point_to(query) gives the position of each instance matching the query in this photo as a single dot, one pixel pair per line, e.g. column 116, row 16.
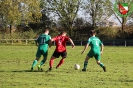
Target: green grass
column 16, row 61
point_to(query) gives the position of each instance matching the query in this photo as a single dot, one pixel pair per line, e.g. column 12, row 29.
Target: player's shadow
column 2, row 71
column 26, row 71
column 21, row 71
column 128, row 81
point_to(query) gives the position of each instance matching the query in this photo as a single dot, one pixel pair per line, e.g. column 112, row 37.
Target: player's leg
column 38, row 54
column 51, row 62
column 34, row 63
column 89, row 55
column 98, row 57
column 45, row 54
column 85, row 63
column 60, row 63
column 101, row 64
column 43, row 61
column 63, row 55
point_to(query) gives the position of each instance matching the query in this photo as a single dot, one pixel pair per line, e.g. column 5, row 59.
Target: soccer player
column 60, row 50
column 95, row 51
column 42, row 42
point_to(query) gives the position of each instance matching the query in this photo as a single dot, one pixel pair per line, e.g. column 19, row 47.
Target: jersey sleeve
column 89, row 40
column 54, row 38
column 66, row 38
column 49, row 37
column 100, row 43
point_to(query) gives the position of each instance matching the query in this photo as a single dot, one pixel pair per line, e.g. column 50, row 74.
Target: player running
column 42, row 42
column 95, row 51
column 60, row 50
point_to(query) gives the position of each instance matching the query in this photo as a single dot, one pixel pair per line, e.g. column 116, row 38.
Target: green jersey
column 95, row 44
column 43, row 41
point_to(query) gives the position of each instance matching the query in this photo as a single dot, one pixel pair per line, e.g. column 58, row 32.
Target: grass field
column 16, row 61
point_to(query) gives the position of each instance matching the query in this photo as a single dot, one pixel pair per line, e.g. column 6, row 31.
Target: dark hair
column 92, row 32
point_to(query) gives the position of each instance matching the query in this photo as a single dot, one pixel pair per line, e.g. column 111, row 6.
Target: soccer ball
column 76, row 66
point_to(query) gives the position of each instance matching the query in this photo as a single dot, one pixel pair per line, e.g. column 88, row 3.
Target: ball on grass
column 76, row 66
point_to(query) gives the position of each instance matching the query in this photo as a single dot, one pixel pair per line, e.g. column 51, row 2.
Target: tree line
column 77, row 17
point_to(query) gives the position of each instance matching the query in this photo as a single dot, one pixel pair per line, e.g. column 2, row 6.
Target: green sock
column 85, row 65
column 34, row 63
column 101, row 64
column 42, row 62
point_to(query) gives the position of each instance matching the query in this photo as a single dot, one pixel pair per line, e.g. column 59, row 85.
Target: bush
column 106, row 32
column 19, row 35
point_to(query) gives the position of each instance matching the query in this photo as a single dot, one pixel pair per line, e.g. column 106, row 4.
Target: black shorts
column 58, row 54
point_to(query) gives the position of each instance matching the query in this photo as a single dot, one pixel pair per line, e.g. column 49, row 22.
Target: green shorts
column 41, row 52
column 92, row 54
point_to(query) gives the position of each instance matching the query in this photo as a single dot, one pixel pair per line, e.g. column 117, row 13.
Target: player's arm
column 51, row 40
column 86, row 46
column 72, row 43
column 50, row 43
column 102, row 47
column 37, row 41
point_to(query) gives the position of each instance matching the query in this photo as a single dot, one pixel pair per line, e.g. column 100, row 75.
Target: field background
column 16, row 61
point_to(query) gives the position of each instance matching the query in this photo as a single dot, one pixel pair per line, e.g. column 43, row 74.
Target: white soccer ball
column 76, row 66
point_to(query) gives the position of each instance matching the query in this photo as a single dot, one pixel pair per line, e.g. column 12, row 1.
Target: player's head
column 63, row 33
column 46, row 31
column 92, row 32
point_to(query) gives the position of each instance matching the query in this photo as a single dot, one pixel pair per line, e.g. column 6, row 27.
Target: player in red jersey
column 60, row 42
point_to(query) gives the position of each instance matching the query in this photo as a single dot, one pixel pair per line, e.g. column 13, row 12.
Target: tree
column 45, row 19
column 14, row 12
column 31, row 11
column 66, row 11
column 98, row 10
column 9, row 12
column 78, row 23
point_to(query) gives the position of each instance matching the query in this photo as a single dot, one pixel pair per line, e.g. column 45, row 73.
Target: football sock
column 101, row 64
column 85, row 65
column 60, row 63
column 34, row 63
column 51, row 63
column 42, row 62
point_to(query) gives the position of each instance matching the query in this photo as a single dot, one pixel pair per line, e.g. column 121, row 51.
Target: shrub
column 106, row 32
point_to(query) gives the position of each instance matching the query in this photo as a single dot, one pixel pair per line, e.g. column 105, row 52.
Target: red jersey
column 60, row 42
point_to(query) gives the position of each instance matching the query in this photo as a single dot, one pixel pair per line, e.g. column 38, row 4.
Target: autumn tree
column 9, row 12
column 31, row 11
column 14, row 12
